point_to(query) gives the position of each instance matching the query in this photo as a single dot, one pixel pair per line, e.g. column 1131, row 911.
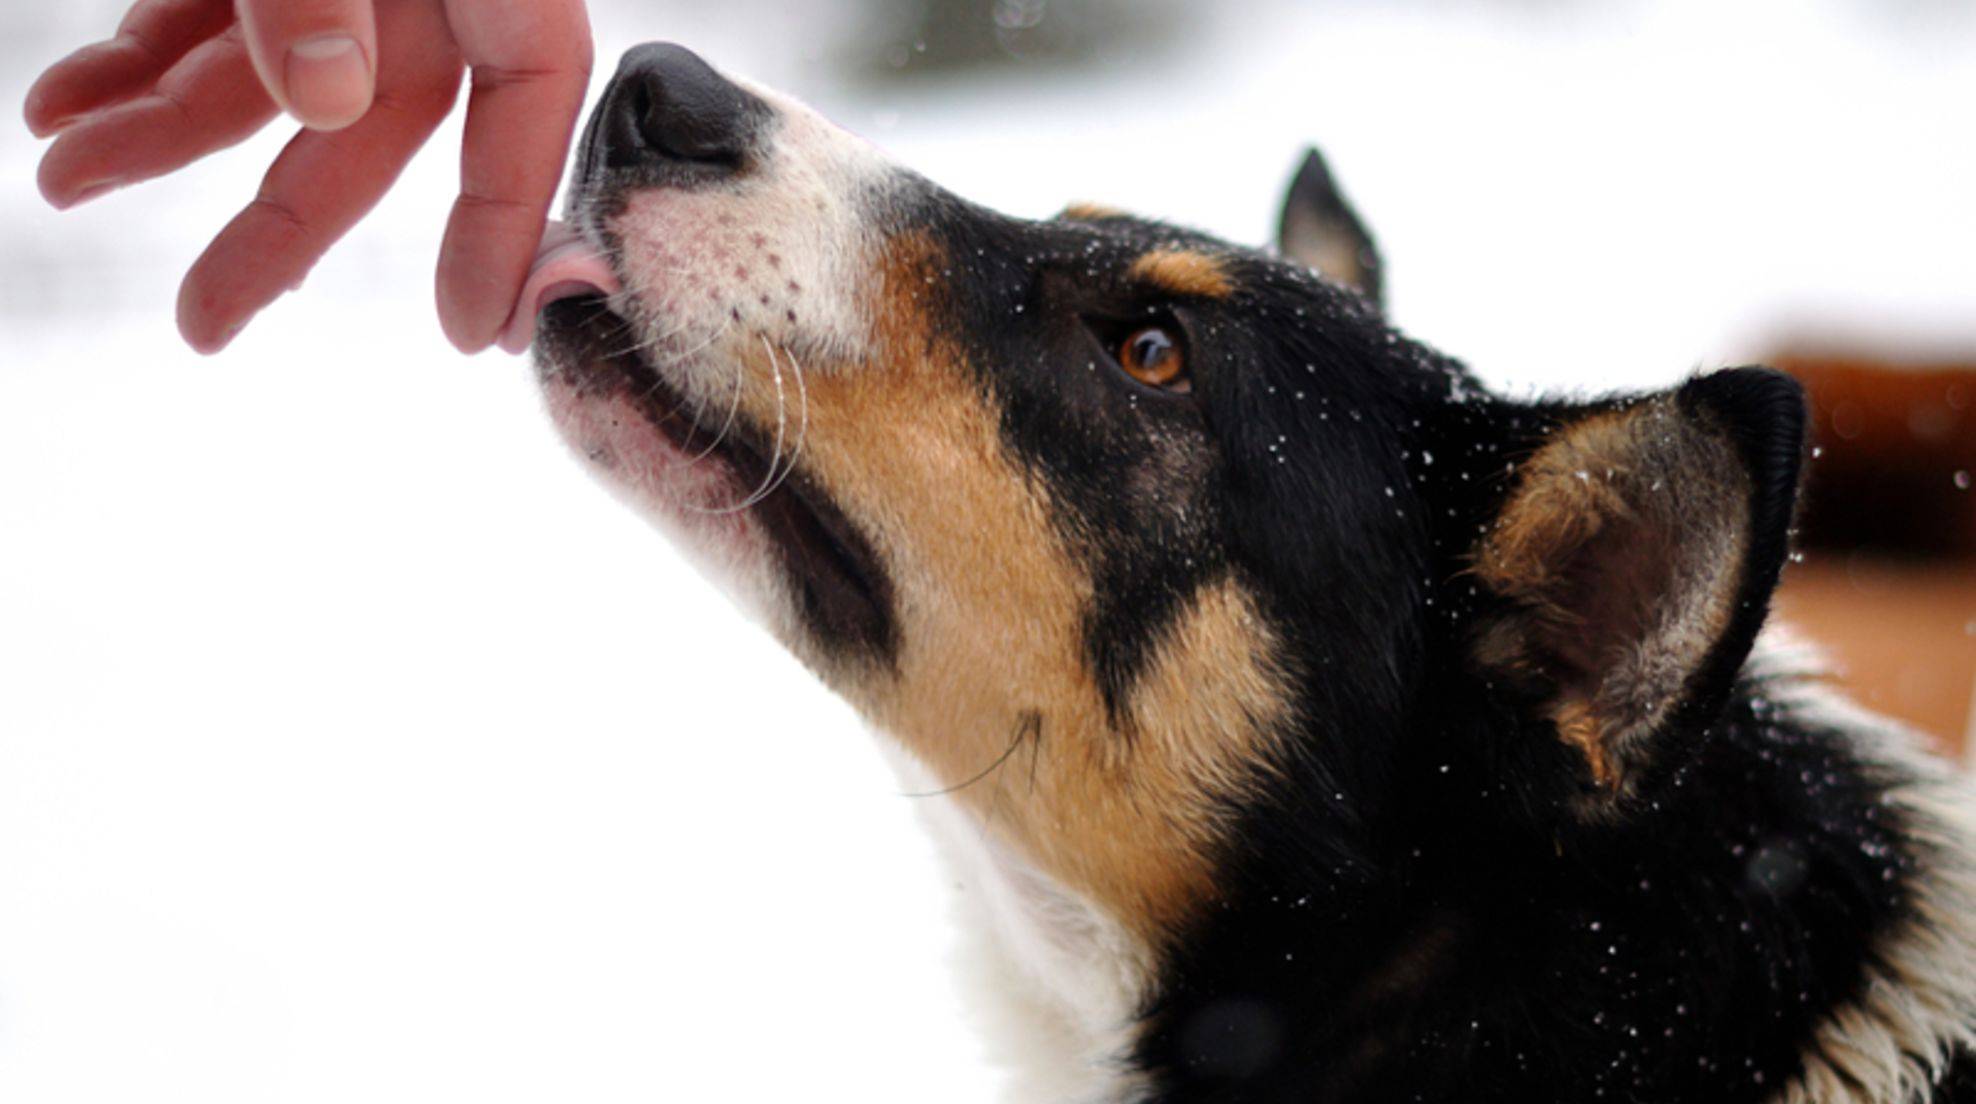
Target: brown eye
column 1154, row 358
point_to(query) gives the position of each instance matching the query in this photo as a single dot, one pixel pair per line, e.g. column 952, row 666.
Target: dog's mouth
column 567, row 266
column 839, row 588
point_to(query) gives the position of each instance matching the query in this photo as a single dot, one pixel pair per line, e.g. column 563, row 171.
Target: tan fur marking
column 1090, row 212
column 1552, row 511
column 990, row 607
column 1184, row 272
column 1579, row 728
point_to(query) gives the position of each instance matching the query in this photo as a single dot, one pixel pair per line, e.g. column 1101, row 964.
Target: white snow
column 354, row 746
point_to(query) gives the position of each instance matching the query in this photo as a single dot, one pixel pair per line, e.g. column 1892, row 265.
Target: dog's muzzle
column 666, row 120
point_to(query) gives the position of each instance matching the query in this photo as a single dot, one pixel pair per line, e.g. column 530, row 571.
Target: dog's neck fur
column 1474, row 963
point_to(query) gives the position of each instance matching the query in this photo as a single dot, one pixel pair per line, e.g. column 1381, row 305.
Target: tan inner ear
column 1622, row 549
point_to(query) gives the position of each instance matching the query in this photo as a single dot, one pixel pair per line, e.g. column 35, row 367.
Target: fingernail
column 328, row 80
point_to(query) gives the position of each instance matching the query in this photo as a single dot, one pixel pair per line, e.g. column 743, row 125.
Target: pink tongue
column 566, row 266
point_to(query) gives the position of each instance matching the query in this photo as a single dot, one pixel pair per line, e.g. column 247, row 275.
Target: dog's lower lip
column 842, row 581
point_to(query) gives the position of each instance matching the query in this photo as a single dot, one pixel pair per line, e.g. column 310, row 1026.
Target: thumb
column 317, row 58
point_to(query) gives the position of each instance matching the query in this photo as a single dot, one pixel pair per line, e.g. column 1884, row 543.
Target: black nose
column 666, row 107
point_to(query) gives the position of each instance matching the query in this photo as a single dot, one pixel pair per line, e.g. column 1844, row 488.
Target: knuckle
column 491, row 77
column 282, row 214
column 141, row 42
column 563, row 72
column 174, row 101
column 481, row 201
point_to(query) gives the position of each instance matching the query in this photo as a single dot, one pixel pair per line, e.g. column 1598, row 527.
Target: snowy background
column 354, row 746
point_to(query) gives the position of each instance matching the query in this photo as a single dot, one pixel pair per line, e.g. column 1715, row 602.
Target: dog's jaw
column 677, row 486
column 728, row 295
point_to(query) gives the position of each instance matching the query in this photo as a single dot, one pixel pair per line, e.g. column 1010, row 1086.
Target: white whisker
column 775, row 459
column 802, row 431
column 733, row 406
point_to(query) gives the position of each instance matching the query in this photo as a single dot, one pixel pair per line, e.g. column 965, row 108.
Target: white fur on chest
column 1057, row 982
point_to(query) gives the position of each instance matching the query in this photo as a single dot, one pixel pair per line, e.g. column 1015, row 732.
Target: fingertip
column 42, row 121
column 462, row 334
column 55, row 176
column 467, row 303
column 59, row 193
column 200, row 322
column 47, row 183
column 89, row 79
column 42, row 108
column 484, row 261
column 84, row 195
column 205, row 343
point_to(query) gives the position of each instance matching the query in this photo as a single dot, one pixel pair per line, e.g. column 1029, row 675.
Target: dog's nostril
column 665, row 104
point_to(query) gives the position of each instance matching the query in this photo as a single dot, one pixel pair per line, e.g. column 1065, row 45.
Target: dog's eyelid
column 1113, row 324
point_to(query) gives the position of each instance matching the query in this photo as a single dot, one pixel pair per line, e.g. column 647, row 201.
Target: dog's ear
column 1319, row 230
column 1628, row 570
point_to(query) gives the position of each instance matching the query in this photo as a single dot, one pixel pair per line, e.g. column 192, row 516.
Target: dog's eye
column 1154, row 357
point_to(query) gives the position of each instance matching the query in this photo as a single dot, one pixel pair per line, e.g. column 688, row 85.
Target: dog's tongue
column 566, row 266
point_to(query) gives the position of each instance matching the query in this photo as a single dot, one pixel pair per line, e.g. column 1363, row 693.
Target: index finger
column 531, row 68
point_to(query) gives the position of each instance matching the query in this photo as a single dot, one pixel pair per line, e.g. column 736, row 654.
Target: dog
column 1306, row 721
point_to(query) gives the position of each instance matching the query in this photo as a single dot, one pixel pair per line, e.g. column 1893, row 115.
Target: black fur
column 1408, row 914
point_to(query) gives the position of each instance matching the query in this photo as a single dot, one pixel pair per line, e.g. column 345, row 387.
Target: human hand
column 370, row 80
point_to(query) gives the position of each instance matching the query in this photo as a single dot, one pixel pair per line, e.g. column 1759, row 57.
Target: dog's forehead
column 1126, row 239
column 1185, row 262
column 1104, row 248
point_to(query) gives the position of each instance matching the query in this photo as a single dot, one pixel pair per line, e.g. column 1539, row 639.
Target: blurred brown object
column 1888, row 582
column 1898, row 634
column 1897, row 449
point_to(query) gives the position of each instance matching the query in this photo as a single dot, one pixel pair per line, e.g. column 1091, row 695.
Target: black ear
column 1630, row 566
column 1320, row 230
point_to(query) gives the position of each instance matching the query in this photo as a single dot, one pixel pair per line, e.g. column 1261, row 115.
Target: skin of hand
column 369, row 80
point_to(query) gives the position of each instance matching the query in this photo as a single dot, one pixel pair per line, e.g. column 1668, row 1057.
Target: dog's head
column 1134, row 538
